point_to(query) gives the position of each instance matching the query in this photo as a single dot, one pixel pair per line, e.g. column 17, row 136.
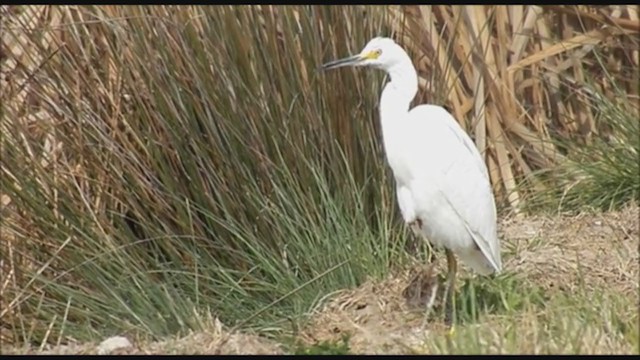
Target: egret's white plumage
column 442, row 183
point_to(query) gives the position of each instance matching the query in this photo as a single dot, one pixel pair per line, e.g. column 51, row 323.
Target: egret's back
column 443, row 181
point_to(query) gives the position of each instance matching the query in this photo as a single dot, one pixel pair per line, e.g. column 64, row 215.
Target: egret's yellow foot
column 451, row 331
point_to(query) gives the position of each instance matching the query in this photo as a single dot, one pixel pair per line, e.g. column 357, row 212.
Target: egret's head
column 380, row 52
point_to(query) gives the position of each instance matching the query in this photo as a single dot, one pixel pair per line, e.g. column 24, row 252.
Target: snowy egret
column 442, row 183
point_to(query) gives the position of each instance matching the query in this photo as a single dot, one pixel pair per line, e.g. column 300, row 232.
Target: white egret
column 442, row 183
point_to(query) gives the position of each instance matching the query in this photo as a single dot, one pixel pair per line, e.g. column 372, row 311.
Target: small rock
column 113, row 343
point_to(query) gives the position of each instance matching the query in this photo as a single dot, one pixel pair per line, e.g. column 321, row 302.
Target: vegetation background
column 167, row 169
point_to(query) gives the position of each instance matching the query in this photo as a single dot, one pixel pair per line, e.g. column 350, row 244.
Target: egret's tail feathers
column 491, row 256
column 479, row 263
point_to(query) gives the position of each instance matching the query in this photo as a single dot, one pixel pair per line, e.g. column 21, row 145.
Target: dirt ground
column 561, row 254
column 558, row 255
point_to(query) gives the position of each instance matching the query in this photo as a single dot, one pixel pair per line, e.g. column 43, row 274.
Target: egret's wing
column 462, row 137
column 455, row 167
column 490, row 248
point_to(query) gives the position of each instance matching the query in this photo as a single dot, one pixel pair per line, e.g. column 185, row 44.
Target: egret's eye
column 373, row 54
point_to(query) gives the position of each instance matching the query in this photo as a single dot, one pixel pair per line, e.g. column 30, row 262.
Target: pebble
column 113, row 343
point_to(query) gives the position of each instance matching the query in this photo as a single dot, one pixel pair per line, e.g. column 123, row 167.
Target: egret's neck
column 398, row 93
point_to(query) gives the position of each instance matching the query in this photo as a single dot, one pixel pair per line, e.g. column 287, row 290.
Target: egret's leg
column 449, row 310
column 431, row 257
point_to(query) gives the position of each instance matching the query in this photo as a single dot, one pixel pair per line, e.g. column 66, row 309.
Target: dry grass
column 588, row 251
column 214, row 341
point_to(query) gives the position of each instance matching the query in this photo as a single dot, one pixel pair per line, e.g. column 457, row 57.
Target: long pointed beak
column 348, row 61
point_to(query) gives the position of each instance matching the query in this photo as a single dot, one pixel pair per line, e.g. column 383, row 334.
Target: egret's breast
column 398, row 153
